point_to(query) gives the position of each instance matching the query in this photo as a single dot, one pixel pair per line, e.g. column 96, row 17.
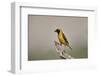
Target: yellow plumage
column 62, row 39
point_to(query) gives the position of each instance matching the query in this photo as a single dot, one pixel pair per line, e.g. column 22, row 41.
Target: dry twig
column 61, row 51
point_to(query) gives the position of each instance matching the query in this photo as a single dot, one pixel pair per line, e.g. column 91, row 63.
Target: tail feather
column 70, row 47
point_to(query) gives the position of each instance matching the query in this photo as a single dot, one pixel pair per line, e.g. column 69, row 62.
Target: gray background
column 41, row 36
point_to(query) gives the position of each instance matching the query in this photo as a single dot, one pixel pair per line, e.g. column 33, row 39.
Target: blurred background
column 41, row 36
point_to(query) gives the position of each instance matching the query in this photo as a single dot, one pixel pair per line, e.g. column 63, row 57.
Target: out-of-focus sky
column 41, row 36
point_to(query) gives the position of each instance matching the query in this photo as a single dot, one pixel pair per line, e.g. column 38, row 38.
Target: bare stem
column 61, row 51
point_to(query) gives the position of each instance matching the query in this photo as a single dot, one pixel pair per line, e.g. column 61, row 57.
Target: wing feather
column 65, row 38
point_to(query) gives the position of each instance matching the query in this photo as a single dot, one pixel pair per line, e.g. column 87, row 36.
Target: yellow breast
column 61, row 39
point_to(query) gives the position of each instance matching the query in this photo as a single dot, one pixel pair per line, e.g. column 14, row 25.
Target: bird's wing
column 65, row 38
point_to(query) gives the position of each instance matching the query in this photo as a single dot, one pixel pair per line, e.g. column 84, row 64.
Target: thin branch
column 61, row 51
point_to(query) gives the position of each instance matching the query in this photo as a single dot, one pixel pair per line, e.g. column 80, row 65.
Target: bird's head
column 57, row 30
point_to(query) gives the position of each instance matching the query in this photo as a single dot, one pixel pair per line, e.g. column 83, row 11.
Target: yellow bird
column 62, row 39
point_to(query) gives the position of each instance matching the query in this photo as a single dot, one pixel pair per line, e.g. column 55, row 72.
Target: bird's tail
column 70, row 47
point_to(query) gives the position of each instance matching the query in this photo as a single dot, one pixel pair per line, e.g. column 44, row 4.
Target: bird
column 62, row 38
